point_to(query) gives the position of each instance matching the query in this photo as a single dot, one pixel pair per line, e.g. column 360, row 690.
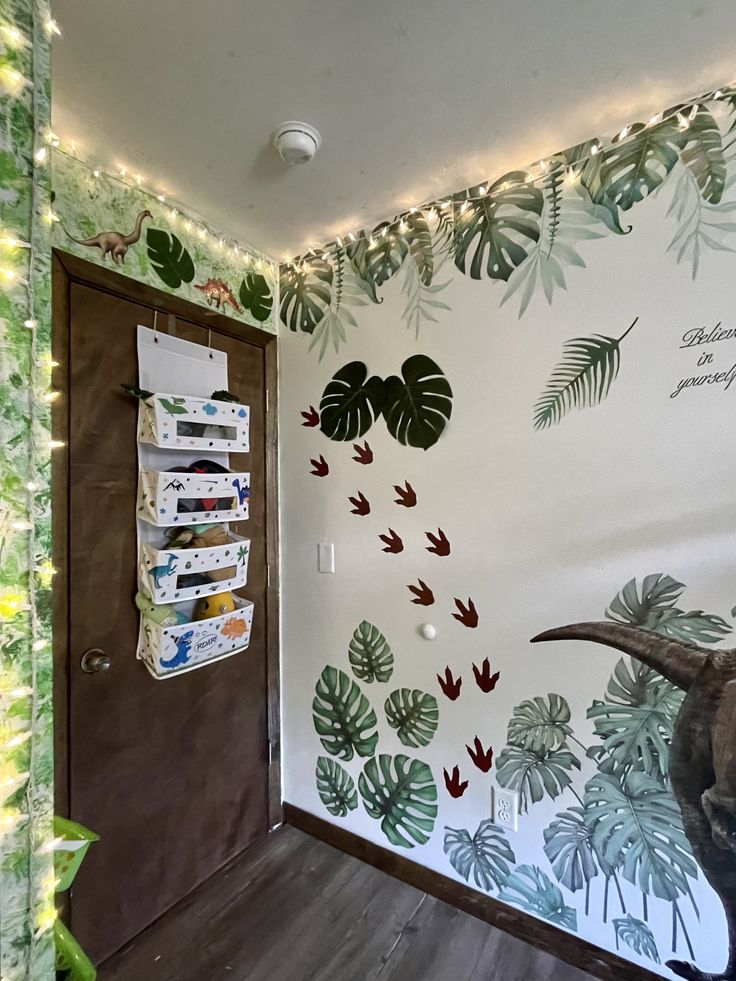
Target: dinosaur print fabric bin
column 167, row 651
column 164, row 573
column 167, row 498
column 186, row 422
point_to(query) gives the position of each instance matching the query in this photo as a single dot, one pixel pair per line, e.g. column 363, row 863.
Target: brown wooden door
column 172, row 774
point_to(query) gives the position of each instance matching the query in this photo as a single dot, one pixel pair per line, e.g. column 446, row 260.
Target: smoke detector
column 297, row 143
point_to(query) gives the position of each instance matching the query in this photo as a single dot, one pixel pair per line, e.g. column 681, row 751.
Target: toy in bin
column 70, row 846
column 207, row 503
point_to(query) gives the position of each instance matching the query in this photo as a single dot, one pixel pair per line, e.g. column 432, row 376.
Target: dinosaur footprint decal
column 449, row 685
column 422, row 593
column 440, row 544
column 483, row 758
column 455, row 787
column 311, row 418
column 360, row 504
column 364, row 454
column 321, row 469
column 393, row 543
column 483, row 677
column 468, row 615
column 407, row 497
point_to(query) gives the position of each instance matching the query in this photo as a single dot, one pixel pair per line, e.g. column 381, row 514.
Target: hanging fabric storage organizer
column 187, row 495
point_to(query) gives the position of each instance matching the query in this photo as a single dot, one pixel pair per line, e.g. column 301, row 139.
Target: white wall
column 545, row 527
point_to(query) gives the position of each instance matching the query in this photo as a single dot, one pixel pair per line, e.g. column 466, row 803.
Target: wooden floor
column 294, row 909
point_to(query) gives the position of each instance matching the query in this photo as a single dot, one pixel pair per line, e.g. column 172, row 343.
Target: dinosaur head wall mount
column 114, row 243
column 702, row 766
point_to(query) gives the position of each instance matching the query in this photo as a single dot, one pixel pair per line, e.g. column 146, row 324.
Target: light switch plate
column 325, row 557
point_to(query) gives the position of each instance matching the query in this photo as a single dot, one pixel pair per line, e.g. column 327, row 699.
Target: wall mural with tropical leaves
column 164, row 247
column 517, row 402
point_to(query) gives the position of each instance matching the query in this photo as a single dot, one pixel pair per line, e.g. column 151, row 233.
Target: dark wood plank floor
column 294, row 909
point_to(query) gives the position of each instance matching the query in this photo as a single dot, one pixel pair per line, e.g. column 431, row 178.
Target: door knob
column 95, row 660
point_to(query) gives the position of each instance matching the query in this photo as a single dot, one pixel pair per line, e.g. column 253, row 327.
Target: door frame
column 68, row 270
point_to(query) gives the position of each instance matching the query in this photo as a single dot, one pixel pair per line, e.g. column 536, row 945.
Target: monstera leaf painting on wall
column 343, row 718
column 636, row 935
column 377, row 257
column 495, row 230
column 413, row 714
column 256, row 296
column 486, row 856
column 535, row 772
column 169, row 258
column 305, row 291
column 531, row 890
column 351, row 402
column 369, row 654
column 335, row 787
column 400, row 793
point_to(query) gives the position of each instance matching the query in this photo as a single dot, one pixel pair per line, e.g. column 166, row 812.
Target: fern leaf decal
column 553, row 197
column 583, row 377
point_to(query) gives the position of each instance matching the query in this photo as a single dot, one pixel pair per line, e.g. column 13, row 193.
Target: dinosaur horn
column 677, row 662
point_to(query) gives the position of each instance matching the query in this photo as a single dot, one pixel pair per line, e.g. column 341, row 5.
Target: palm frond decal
column 582, row 379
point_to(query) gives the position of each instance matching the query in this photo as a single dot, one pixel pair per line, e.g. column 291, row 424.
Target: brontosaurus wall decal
column 702, row 754
column 115, row 243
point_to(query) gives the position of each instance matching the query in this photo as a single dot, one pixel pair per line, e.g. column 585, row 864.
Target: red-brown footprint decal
column 483, row 677
column 422, row 592
column 468, row 615
column 483, row 758
column 364, row 454
column 394, row 544
column 360, row 504
column 450, row 687
column 407, row 498
column 455, row 787
column 321, row 469
column 311, row 418
column 440, row 544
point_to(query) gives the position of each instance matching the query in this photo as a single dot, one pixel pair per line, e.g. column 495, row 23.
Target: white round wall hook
column 428, row 631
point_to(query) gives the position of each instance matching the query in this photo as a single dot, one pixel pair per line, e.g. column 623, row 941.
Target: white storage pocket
column 174, row 650
column 167, row 575
column 186, row 422
column 166, row 498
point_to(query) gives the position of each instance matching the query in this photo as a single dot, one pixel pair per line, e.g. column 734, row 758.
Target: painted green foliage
column 335, row 787
column 26, row 769
column 627, row 824
column 172, row 255
column 415, row 407
column 530, row 889
column 414, row 715
column 370, row 656
column 486, row 856
column 343, row 718
column 401, row 793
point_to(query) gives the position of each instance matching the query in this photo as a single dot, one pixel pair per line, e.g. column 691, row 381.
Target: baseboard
column 567, row 947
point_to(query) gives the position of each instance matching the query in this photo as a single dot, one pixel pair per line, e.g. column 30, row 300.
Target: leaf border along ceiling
column 524, row 229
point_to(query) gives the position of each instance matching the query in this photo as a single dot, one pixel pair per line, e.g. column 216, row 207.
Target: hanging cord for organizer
column 155, row 326
column 209, row 343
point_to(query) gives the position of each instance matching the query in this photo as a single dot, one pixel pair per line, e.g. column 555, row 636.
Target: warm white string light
column 684, row 113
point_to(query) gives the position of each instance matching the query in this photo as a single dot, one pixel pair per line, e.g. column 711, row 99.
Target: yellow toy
column 214, row 606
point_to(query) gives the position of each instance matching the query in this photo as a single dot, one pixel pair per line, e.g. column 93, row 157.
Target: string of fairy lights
column 457, row 206
column 19, row 697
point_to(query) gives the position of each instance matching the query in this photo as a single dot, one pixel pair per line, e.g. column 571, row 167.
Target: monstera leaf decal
column 636, row 935
column 583, row 378
column 632, row 168
column 530, row 889
column 335, row 787
column 487, row 856
column 169, row 258
column 568, row 846
column 419, row 237
column 401, row 794
column 256, row 297
column 343, row 718
column 351, row 402
column 637, row 721
column 369, row 654
column 540, row 725
column 419, row 404
column 499, row 226
column 535, row 773
column 377, row 257
column 306, row 293
column 416, row 407
column 703, row 154
column 637, row 827
column 413, row 714
column 656, row 611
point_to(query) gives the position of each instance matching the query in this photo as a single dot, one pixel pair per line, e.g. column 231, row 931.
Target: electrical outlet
column 506, row 808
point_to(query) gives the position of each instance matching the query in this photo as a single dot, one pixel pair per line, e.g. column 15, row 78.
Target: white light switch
column 325, row 557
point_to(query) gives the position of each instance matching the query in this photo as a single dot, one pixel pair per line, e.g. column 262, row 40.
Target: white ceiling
column 414, row 98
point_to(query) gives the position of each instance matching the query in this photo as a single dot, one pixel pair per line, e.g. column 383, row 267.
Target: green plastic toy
column 72, row 842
